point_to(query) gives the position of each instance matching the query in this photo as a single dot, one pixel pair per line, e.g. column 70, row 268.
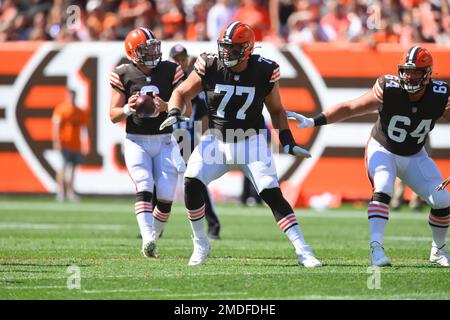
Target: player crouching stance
column 152, row 156
column 237, row 84
column 408, row 106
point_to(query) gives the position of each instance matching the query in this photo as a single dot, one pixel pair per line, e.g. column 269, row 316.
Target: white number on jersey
column 439, row 87
column 265, row 60
column 393, row 84
column 399, row 134
column 229, row 91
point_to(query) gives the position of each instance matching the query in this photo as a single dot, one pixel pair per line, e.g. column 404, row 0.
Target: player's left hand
column 297, row 151
column 443, row 184
column 304, row 122
column 173, row 117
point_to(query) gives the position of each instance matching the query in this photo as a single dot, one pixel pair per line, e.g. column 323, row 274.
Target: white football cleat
column 439, row 256
column 377, row 256
column 307, row 259
column 149, row 249
column 202, row 249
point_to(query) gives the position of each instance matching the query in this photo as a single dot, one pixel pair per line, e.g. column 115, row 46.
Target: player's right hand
column 173, row 117
column 304, row 122
column 443, row 184
column 132, row 102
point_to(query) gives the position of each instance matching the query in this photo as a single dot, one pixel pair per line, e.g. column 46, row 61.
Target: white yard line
column 299, row 272
column 57, row 226
column 199, row 294
column 123, row 290
column 400, row 238
column 34, row 287
column 102, row 207
column 66, row 207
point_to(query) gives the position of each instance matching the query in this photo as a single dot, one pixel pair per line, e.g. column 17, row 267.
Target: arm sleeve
column 448, row 104
column 200, row 66
column 116, row 82
column 178, row 76
column 275, row 74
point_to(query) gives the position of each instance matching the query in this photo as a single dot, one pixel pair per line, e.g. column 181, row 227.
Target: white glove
column 296, row 151
column 173, row 117
column 304, row 122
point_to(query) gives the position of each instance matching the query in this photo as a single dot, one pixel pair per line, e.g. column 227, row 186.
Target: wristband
column 286, row 137
column 320, row 120
column 126, row 110
column 174, row 112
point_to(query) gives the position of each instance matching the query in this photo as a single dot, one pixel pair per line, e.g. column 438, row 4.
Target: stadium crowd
column 278, row 21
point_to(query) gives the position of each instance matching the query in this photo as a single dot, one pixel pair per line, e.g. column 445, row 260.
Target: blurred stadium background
column 328, row 51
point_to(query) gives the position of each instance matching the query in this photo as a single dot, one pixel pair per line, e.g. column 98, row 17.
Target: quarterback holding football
column 139, row 91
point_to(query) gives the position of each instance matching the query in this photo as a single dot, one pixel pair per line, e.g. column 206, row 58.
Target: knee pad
column 381, row 197
column 275, row 200
column 193, row 190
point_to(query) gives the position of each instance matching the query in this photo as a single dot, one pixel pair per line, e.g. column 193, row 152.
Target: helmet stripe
column 412, row 54
column 230, row 30
column 147, row 33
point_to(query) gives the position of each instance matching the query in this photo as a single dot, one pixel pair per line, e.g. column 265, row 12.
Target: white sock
column 295, row 235
column 197, row 220
column 377, row 226
column 198, row 228
column 439, row 228
column 145, row 221
column 158, row 227
column 439, row 236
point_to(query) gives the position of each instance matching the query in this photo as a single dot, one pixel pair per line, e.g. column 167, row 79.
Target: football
column 145, row 105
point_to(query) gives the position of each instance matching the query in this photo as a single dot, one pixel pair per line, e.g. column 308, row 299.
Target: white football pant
column 418, row 171
column 213, row 157
column 154, row 160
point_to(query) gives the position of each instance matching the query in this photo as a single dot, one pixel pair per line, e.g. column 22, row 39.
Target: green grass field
column 40, row 239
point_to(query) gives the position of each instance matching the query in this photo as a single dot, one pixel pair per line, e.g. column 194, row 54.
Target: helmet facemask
column 149, row 54
column 231, row 54
column 412, row 78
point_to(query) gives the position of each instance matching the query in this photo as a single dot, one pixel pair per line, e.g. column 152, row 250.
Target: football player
column 408, row 105
column 237, row 84
column 199, row 113
column 152, row 156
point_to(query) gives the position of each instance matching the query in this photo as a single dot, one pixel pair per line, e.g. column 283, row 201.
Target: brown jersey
column 235, row 100
column 129, row 79
column 403, row 126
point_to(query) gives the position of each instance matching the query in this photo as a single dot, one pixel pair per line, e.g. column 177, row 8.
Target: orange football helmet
column 415, row 69
column 235, row 43
column 143, row 48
